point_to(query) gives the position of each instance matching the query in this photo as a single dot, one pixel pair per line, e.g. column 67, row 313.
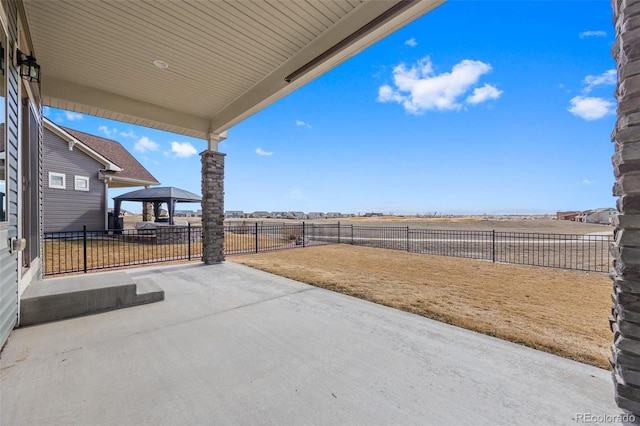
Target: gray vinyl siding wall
column 8, row 261
column 69, row 209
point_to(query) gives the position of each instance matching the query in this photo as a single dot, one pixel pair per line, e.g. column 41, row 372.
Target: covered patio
column 233, row 345
column 216, row 62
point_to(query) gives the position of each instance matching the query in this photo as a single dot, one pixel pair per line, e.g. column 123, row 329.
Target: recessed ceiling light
column 160, row 64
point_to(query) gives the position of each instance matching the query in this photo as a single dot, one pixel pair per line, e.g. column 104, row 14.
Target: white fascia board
column 59, row 93
column 84, row 148
column 127, row 182
column 274, row 87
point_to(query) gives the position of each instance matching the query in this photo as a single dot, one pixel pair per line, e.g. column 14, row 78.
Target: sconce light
column 29, row 68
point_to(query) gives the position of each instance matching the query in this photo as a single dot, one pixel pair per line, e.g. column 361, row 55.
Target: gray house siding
column 9, row 261
column 70, row 209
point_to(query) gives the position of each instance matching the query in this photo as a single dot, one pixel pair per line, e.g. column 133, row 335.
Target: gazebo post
column 116, row 213
column 156, row 210
column 171, row 206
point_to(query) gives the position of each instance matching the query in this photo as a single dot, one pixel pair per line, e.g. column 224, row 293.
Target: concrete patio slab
column 232, row 345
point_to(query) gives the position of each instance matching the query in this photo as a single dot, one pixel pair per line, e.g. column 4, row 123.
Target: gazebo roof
column 163, row 193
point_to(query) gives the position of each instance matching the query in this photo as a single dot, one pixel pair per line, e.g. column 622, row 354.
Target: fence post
column 338, row 232
column 84, row 246
column 408, row 249
column 352, row 234
column 304, row 243
column 256, row 237
column 493, row 246
column 189, row 239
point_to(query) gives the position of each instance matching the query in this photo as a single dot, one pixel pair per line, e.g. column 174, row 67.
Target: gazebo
column 157, row 196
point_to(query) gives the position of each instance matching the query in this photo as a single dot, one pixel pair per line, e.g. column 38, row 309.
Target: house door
column 30, row 184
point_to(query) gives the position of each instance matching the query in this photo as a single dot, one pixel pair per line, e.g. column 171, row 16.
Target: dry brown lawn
column 562, row 312
column 68, row 256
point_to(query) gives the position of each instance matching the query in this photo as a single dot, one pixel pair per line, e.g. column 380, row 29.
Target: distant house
column 234, row 214
column 333, row 215
column 79, row 169
column 184, row 213
column 569, row 215
column 315, row 215
column 603, row 216
column 296, row 215
column 260, row 214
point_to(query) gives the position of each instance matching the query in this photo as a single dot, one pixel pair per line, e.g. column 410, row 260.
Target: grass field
column 455, row 223
column 562, row 312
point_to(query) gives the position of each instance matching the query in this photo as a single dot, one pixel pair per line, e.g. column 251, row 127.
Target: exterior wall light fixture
column 29, row 68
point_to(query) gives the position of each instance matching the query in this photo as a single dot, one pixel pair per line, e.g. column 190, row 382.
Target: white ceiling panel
column 227, row 59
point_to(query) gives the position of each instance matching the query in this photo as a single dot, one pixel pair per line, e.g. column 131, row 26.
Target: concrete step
column 67, row 297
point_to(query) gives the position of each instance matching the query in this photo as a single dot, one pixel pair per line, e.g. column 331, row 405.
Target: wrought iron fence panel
column 70, row 252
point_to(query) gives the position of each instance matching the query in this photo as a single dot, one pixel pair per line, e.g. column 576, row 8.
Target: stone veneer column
column 147, row 212
column 212, row 207
column 625, row 319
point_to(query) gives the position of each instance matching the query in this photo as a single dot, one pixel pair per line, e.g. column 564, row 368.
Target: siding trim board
column 9, row 261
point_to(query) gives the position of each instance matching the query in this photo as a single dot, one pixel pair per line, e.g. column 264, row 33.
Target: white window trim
column 64, row 180
column 80, row 178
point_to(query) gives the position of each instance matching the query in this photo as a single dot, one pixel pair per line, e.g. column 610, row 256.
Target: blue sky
column 477, row 107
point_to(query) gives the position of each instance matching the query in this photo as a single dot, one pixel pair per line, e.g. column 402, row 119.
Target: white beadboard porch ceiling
column 227, row 59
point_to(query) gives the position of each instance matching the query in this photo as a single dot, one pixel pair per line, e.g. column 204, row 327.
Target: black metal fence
column 83, row 251
column 67, row 252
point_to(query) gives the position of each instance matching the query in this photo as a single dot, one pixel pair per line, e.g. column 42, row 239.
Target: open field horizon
column 463, row 223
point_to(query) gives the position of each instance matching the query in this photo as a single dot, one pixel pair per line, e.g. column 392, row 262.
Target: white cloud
column 484, row 93
column 587, row 182
column 590, row 108
column 606, row 78
column 73, row 116
column 419, row 88
column 183, row 149
column 598, row 33
column 107, row 131
column 145, row 144
column 46, row 110
column 129, row 134
column 411, row 42
column 260, row 151
column 300, row 123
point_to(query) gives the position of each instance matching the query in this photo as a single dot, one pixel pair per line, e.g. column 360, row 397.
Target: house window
column 57, row 180
column 81, row 183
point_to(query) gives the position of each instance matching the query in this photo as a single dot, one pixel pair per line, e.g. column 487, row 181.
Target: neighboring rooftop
column 116, row 153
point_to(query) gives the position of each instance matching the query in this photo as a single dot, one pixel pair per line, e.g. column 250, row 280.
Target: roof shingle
column 116, row 153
